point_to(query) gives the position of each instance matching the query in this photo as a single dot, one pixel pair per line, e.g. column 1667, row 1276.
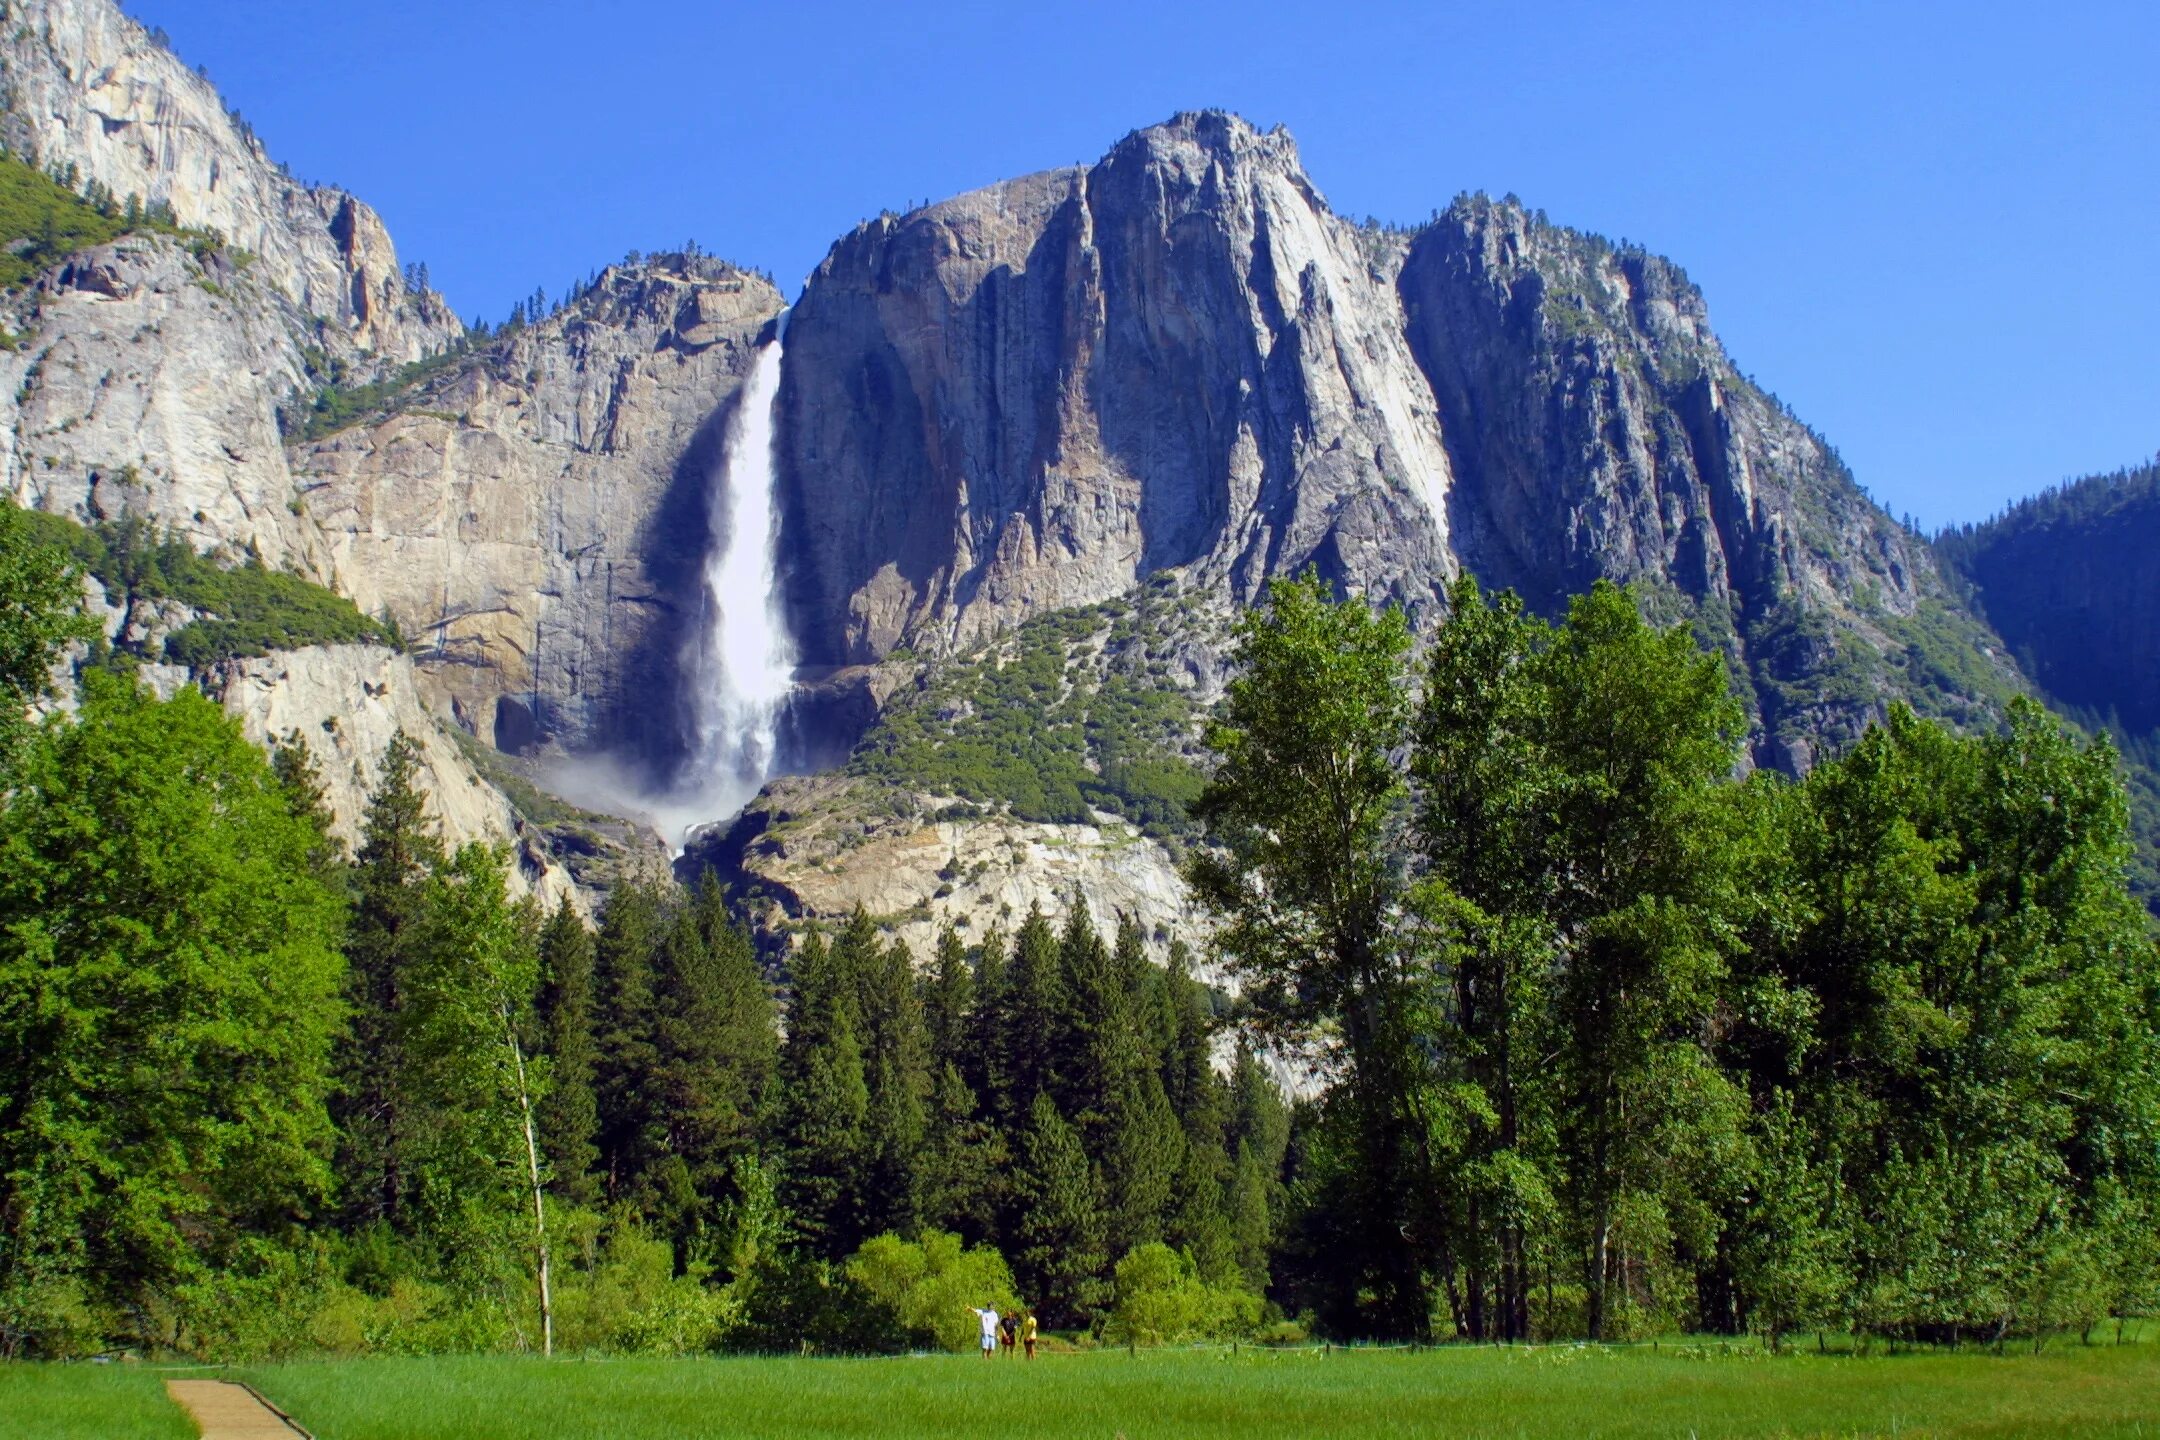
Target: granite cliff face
column 89, row 87
column 147, row 379
column 1179, row 359
column 1040, row 394
column 535, row 516
column 1598, row 430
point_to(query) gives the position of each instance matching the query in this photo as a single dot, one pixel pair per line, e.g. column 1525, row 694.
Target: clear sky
column 1932, row 229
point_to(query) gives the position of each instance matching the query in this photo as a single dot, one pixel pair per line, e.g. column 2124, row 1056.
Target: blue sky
column 1932, row 229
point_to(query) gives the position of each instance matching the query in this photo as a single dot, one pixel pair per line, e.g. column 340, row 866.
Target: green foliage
column 249, row 609
column 1881, row 1049
column 1301, row 802
column 630, row 1301
column 1071, row 714
column 43, row 221
column 824, row 1121
column 931, row 1283
column 465, row 995
column 1059, row 1232
column 40, row 611
column 168, row 993
column 797, row 1304
column 399, row 848
column 340, row 402
column 1303, row 812
column 570, row 1115
column 1161, row 1300
column 2059, row 576
column 1984, row 1074
column 685, row 1047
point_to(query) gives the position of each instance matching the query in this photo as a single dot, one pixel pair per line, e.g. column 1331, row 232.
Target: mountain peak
column 1216, row 138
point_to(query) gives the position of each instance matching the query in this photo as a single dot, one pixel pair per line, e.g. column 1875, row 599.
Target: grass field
column 2071, row 1390
column 1556, row 1391
column 88, row 1402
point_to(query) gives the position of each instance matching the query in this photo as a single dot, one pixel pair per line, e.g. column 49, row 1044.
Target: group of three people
column 997, row 1329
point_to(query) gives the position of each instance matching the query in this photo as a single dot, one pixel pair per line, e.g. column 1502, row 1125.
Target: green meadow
column 88, row 1402
column 1676, row 1390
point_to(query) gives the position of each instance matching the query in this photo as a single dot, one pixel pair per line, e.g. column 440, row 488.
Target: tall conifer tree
column 399, row 849
column 570, row 1115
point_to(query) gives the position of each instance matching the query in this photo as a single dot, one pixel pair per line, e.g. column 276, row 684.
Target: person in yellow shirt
column 1027, row 1332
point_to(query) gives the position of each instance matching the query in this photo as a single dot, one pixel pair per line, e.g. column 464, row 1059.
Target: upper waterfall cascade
column 743, row 661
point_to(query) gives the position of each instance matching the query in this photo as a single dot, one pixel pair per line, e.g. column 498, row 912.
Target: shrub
column 1161, row 1300
column 796, row 1304
column 631, row 1301
column 931, row 1284
column 1050, row 724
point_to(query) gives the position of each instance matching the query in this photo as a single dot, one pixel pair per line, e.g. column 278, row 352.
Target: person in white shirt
column 989, row 1318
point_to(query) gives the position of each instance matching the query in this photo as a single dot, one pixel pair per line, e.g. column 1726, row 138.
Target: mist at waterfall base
column 738, row 666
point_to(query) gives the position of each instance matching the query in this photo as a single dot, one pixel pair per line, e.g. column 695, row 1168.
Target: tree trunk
column 532, row 1169
column 1600, row 1257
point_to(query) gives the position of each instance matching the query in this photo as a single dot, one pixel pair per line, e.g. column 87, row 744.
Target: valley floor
column 1678, row 1389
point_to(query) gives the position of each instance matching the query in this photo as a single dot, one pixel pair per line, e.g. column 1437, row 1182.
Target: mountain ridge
column 1043, row 394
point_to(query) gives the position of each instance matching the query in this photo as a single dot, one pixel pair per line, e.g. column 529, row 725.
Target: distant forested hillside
column 2071, row 581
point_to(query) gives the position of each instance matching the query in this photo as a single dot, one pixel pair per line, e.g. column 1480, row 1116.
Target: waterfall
column 742, row 662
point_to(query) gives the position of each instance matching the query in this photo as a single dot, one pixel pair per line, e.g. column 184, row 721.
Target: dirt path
column 225, row 1411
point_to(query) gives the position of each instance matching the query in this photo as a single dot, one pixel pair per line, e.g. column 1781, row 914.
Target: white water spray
column 742, row 662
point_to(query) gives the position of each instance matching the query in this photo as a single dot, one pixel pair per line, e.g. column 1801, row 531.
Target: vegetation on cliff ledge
column 1075, row 712
column 43, row 219
column 243, row 609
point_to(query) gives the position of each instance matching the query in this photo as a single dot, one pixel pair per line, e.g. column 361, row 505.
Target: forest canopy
column 1602, row 1038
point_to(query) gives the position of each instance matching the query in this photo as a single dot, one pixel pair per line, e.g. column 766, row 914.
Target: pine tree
column 470, row 1159
column 823, row 1122
column 1188, row 1068
column 985, row 1067
column 306, row 798
column 570, row 1116
column 1058, row 1235
column 1026, row 1033
column 398, row 851
column 1110, row 1082
column 896, row 1068
column 963, row 1155
column 631, row 1136
column 1258, row 1139
column 962, row 1165
column 715, row 1049
column 948, row 998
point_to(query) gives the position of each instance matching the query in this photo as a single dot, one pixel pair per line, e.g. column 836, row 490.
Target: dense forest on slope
column 422, row 1116
column 2071, row 581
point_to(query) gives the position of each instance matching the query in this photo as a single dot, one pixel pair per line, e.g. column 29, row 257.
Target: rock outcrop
column 147, row 379
column 536, row 515
column 1040, row 394
column 345, row 702
column 89, row 87
column 816, row 848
